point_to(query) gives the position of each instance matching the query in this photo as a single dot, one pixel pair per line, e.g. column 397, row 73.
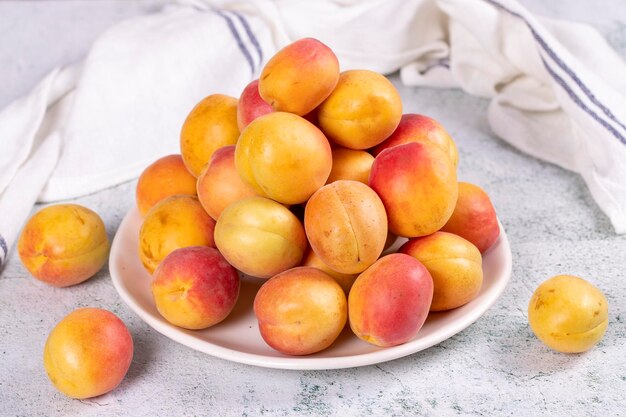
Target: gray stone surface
column 494, row 367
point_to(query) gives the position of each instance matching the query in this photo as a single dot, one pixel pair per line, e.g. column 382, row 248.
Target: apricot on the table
column 88, row 353
column 568, row 314
column 63, row 244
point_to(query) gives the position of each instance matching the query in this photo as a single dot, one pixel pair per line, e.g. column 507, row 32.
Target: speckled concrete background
column 495, row 367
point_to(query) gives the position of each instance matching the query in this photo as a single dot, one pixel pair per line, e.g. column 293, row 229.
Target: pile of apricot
column 304, row 181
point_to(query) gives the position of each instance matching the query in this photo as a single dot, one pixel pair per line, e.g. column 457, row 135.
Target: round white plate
column 238, row 338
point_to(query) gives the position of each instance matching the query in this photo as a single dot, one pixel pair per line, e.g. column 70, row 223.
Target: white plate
column 238, row 339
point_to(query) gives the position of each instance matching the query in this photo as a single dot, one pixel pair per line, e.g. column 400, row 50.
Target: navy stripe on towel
column 561, row 64
column 582, row 105
column 575, row 78
column 253, row 39
column 235, row 34
column 5, row 249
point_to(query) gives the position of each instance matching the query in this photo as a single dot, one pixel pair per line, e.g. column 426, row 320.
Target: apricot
column 163, row 178
column 474, row 217
column 300, row 311
column 283, row 157
column 299, row 76
column 88, row 353
column 176, row 222
column 419, row 128
column 389, row 302
column 260, row 237
column 568, row 314
column 63, row 244
column 349, row 164
column 219, row 183
column 195, row 288
column 251, row 105
column 211, row 124
column 344, row 280
column 454, row 264
column 362, row 111
column 346, row 225
column 417, row 184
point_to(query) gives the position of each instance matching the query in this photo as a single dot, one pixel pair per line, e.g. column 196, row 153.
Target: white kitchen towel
column 557, row 89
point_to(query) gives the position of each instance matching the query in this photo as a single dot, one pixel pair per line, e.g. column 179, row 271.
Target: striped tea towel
column 557, row 90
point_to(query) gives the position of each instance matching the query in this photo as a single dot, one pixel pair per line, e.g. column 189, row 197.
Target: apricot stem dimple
column 180, row 292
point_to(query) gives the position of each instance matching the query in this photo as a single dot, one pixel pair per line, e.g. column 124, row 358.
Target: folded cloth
column 557, row 89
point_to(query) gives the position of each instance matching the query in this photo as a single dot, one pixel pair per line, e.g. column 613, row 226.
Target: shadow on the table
column 524, row 356
column 103, row 276
column 143, row 356
column 528, row 357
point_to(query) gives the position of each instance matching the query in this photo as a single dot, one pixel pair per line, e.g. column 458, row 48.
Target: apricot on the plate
column 346, row 225
column 251, row 105
column 419, row 128
column 362, row 111
column 350, row 164
column 417, row 184
column 219, row 183
column 163, row 178
column 211, row 124
column 260, row 237
column 454, row 264
column 344, row 280
column 300, row 311
column 389, row 302
column 299, row 76
column 195, row 288
column 474, row 217
column 176, row 222
column 283, row 157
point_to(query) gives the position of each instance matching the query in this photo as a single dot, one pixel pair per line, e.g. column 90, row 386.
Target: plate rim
column 304, row 362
